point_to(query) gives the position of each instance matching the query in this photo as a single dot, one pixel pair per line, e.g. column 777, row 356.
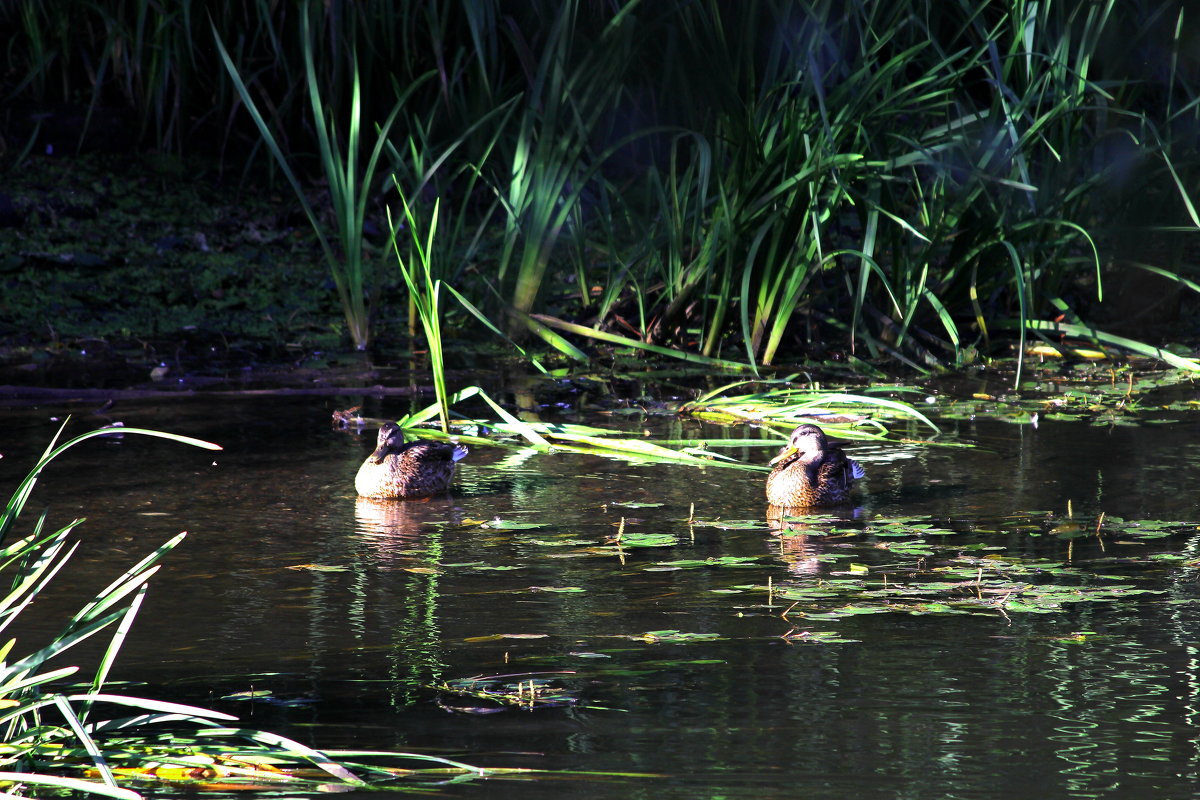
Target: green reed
column 51, row 731
column 906, row 177
column 349, row 182
column 424, row 293
column 551, row 161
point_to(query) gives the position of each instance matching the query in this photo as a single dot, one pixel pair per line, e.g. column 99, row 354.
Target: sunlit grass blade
column 551, row 338
column 38, row 572
column 548, row 437
column 554, row 340
column 289, row 746
column 21, row 680
column 424, row 292
column 624, row 341
column 133, row 578
column 19, row 497
column 786, row 404
column 196, row 713
column 69, row 784
column 82, row 737
column 1100, row 337
column 114, row 646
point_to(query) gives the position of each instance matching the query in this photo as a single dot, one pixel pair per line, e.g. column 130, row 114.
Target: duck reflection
column 394, row 528
column 800, row 551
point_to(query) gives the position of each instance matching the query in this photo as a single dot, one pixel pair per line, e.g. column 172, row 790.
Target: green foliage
column 780, row 402
column 425, row 295
column 905, row 179
column 349, row 186
column 47, row 730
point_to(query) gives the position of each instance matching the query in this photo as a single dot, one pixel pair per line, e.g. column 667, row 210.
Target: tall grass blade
column 624, row 341
column 425, row 294
column 272, row 740
column 85, row 739
column 70, row 784
column 1100, row 337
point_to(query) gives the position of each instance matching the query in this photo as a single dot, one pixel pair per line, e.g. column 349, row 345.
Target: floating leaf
column 496, row 637
column 732, row 524
column 818, row 637
column 716, row 561
column 676, row 636
column 508, row 525
column 850, row 611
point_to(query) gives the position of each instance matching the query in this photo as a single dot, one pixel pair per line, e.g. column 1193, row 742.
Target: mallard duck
column 399, row 469
column 811, row 471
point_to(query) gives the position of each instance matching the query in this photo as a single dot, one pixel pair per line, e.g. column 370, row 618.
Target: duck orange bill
column 380, row 453
column 787, row 451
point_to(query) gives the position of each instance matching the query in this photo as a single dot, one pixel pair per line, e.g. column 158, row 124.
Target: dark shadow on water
column 920, row 494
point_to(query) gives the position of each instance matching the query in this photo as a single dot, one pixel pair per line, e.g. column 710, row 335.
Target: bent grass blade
column 583, row 439
column 789, row 405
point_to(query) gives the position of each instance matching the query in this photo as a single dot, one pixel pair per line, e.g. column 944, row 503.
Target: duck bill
column 784, row 453
column 380, row 453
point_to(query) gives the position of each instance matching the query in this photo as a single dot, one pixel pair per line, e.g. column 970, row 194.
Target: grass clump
column 931, row 183
column 55, row 732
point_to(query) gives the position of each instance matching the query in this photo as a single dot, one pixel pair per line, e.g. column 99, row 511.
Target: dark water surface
column 986, row 705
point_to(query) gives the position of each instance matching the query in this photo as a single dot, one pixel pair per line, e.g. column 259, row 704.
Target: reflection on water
column 289, row 582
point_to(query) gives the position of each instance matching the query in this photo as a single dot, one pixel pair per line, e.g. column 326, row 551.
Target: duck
column 811, row 471
column 407, row 470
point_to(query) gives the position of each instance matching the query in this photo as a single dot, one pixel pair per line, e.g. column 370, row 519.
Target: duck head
column 807, row 440
column 391, row 440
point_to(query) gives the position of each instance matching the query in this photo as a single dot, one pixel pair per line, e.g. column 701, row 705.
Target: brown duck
column 811, row 471
column 406, row 470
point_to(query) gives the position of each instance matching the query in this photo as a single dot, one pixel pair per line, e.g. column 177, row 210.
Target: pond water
column 723, row 661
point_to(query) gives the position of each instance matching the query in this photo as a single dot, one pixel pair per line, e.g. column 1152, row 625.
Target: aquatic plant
column 349, row 186
column 873, row 180
column 526, row 691
column 54, row 736
column 552, row 162
column 424, row 294
column 781, row 402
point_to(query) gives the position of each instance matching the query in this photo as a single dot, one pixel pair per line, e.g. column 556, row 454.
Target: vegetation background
column 746, row 183
column 761, row 181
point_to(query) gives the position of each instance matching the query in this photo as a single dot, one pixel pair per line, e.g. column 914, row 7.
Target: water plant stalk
column 349, row 185
column 424, row 293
